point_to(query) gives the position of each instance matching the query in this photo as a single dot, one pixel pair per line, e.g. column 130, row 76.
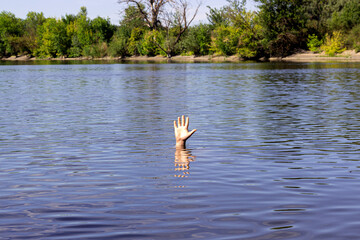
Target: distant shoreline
column 305, row 56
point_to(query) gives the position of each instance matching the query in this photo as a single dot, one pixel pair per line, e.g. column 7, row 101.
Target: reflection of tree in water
column 182, row 161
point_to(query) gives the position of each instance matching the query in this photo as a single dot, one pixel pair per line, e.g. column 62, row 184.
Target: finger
column 182, row 120
column 187, row 122
column 175, row 125
column 179, row 123
column 192, row 132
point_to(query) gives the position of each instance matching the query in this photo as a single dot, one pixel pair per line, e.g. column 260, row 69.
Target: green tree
column 119, row 43
column 167, row 16
column 225, row 40
column 102, row 29
column 51, row 39
column 217, row 17
column 198, row 40
column 32, row 23
column 235, row 30
column 11, row 31
column 80, row 33
column 133, row 17
column 346, row 17
column 135, row 41
column 283, row 22
column 150, row 43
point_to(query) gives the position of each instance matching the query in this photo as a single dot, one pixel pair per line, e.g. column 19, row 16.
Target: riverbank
column 304, row 56
column 307, row 56
column 208, row 58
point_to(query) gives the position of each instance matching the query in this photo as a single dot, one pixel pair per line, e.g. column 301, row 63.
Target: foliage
column 198, row 40
column 249, row 45
column 149, row 44
column 314, row 43
column 224, row 40
column 102, row 29
column 133, row 18
column 346, row 16
column 333, row 44
column 352, row 39
column 217, row 17
column 32, row 23
column 135, row 41
column 279, row 28
column 283, row 22
column 118, row 45
column 98, row 50
column 11, row 30
column 51, row 39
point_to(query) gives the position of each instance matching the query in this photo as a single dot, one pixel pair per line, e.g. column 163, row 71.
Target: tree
column 176, row 23
column 133, row 18
column 347, row 16
column 11, row 30
column 170, row 16
column 283, row 22
column 198, row 39
column 51, row 39
column 32, row 23
column 150, row 10
column 102, row 29
column 217, row 17
column 80, row 34
column 235, row 30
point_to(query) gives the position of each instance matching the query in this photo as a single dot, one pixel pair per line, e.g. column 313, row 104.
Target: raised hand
column 181, row 131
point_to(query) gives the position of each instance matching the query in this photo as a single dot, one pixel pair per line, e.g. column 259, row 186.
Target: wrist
column 180, row 144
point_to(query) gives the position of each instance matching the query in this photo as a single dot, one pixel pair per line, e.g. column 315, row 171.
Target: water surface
column 87, row 151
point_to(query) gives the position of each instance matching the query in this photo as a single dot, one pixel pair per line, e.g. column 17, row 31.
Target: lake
column 87, row 151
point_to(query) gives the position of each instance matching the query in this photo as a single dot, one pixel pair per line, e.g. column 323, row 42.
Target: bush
column 225, row 40
column 98, row 50
column 135, row 41
column 352, row 39
column 314, row 43
column 248, row 46
column 198, row 40
column 149, row 44
column 119, row 43
column 334, row 44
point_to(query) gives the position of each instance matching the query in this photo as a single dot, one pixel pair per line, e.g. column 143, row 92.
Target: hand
column 181, row 131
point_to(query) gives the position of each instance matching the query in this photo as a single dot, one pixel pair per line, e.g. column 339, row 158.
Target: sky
column 103, row 8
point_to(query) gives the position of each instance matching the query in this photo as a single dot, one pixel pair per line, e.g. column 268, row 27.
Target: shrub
column 198, row 40
column 352, row 39
column 333, row 44
column 314, row 43
column 98, row 50
column 119, row 43
column 149, row 44
column 135, row 41
column 224, row 40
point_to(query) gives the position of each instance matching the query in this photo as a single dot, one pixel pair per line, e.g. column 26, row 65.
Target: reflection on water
column 86, row 151
column 182, row 161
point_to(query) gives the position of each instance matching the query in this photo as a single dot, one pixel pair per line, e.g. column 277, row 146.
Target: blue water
column 87, row 151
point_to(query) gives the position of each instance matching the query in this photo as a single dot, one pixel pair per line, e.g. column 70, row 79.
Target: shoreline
column 305, row 56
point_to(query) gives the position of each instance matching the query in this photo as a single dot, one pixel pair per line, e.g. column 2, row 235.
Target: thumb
column 192, row 132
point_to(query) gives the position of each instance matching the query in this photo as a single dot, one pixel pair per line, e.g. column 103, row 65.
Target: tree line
column 163, row 27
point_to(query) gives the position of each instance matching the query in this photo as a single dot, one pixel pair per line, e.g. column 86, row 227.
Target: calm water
column 87, row 151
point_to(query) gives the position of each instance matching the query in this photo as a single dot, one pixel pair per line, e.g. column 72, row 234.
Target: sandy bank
column 307, row 56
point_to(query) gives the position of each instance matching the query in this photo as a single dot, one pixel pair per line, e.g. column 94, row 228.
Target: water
column 87, row 151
